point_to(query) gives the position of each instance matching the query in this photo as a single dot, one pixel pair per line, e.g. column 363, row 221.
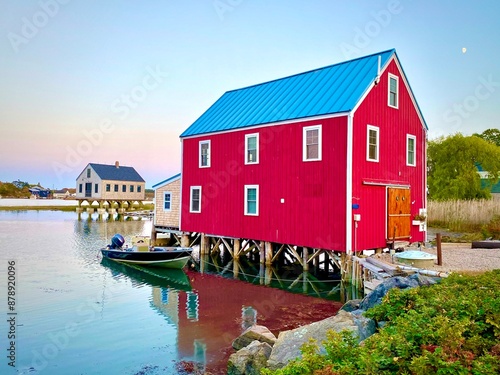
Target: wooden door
column 398, row 213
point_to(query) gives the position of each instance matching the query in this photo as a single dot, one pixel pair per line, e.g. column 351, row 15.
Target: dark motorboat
column 155, row 256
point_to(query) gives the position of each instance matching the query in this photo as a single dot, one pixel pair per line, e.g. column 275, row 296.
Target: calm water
column 79, row 315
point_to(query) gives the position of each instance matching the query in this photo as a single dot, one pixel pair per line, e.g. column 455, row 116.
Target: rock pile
column 258, row 348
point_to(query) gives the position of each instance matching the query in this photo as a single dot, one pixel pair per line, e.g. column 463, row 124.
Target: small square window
column 108, row 187
column 204, row 154
column 131, row 188
column 393, row 91
column 252, row 200
column 139, row 188
column 195, row 199
column 124, row 188
column 116, row 188
column 311, row 143
column 372, row 143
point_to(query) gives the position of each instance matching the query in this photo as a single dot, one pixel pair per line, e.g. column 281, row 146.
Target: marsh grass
column 462, row 216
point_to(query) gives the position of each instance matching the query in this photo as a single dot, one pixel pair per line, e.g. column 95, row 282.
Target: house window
column 124, row 188
column 139, row 188
column 116, row 188
column 204, row 154
column 195, row 199
column 372, row 143
column 96, row 188
column 108, row 187
column 131, row 188
column 393, row 91
column 88, row 173
column 311, row 149
column 411, row 140
column 80, row 188
column 252, row 200
column 167, row 201
column 252, row 148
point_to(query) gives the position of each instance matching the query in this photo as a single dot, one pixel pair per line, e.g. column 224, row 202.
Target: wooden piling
column 205, row 244
column 305, row 257
column 262, row 252
column 236, row 248
column 269, row 253
column 439, row 253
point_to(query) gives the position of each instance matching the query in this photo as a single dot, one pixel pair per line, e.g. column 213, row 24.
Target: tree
column 490, row 135
column 453, row 167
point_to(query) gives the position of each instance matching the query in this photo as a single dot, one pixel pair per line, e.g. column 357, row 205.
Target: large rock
column 256, row 332
column 249, row 360
column 375, row 297
column 288, row 345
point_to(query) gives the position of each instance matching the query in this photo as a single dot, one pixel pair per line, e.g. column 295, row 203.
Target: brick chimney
column 117, row 164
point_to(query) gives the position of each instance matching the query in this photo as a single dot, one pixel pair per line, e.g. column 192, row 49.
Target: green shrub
column 492, row 228
column 448, row 328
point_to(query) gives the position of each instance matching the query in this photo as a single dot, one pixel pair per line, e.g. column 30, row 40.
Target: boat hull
column 163, row 258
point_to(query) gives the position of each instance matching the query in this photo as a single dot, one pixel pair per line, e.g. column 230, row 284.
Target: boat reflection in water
column 210, row 311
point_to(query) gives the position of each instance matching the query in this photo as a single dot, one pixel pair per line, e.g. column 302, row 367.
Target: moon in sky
column 464, row 50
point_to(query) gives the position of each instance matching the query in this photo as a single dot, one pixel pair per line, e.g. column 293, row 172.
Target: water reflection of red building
column 217, row 310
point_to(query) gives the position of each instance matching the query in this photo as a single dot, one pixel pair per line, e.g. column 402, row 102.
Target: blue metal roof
column 332, row 89
column 121, row 173
column 170, row 179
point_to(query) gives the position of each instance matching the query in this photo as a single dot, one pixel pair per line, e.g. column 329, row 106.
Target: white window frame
column 396, row 78
column 304, row 142
column 200, row 159
column 191, row 199
column 256, row 136
column 414, row 138
column 165, row 193
column 256, row 187
column 376, row 129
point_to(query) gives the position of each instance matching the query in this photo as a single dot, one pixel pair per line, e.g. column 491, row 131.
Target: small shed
column 167, row 203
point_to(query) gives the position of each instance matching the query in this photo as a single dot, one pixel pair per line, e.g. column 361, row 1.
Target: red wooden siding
column 394, row 125
column 313, row 212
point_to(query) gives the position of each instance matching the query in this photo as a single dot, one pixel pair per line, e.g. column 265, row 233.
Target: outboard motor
column 117, row 241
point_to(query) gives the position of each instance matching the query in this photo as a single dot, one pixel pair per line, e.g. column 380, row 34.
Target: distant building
column 39, row 192
column 63, row 193
column 111, row 183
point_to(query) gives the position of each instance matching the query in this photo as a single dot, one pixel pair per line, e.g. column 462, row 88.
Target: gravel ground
column 460, row 257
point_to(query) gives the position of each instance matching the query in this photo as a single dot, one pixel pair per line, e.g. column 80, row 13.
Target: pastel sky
column 106, row 80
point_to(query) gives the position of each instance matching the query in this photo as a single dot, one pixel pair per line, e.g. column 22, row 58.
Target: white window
column 393, row 100
column 204, row 154
column 195, row 199
column 411, row 142
column 252, row 148
column 372, row 143
column 311, row 146
column 252, row 200
column 167, row 201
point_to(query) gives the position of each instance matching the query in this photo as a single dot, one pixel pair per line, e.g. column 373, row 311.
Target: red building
column 333, row 158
